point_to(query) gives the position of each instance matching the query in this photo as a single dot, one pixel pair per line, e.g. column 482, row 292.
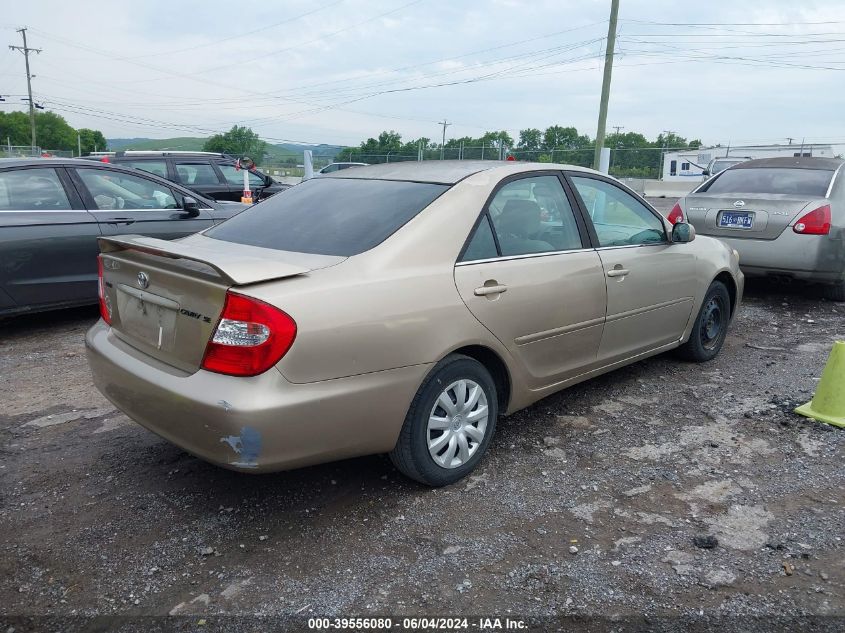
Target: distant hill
column 282, row 152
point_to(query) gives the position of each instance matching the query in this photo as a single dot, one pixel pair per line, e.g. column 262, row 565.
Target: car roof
column 794, row 162
column 444, row 172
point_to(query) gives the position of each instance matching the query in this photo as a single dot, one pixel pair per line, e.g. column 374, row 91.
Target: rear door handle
column 483, row 291
column 618, row 272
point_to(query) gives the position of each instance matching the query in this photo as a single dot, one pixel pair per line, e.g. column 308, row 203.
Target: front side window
column 113, row 190
column 533, row 215
column 236, row 176
column 157, row 167
column 329, row 216
column 618, row 217
column 196, row 173
column 32, row 190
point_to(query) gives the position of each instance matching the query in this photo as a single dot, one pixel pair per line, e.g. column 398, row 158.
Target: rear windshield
column 329, row 216
column 800, row 182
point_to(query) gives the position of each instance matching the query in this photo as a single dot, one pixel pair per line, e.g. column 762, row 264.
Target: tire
column 711, row 326
column 834, row 292
column 450, row 458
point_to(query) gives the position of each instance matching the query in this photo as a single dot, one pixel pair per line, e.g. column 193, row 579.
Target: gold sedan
column 399, row 309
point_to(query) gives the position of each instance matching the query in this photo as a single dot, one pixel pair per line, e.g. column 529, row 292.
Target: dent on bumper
column 262, row 423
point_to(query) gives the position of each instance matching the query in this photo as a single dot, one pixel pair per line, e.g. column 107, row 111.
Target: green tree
column 14, row 127
column 53, row 132
column 240, row 141
column 91, row 140
column 530, row 139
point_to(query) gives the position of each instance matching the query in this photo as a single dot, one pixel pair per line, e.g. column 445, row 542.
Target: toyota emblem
column 143, row 280
column 739, row 204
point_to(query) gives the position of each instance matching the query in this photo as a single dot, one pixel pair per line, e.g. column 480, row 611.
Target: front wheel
column 711, row 326
column 450, row 423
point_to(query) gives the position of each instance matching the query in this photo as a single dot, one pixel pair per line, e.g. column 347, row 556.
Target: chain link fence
column 27, row 151
column 642, row 162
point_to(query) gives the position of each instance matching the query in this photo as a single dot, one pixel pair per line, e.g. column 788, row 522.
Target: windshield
column 799, row 182
column 329, row 216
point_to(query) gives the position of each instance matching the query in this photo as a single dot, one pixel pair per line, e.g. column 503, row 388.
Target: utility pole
column 79, row 143
column 445, row 124
column 26, row 51
column 605, row 84
column 666, row 134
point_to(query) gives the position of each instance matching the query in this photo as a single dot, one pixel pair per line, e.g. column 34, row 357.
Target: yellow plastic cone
column 828, row 405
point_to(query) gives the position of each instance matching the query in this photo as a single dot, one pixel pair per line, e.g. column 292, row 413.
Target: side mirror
column 706, row 172
column 190, row 206
column 268, row 181
column 683, row 233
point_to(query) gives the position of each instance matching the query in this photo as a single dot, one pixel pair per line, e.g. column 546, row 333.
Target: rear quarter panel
column 393, row 306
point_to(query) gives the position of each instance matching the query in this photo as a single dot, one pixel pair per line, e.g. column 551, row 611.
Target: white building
column 688, row 165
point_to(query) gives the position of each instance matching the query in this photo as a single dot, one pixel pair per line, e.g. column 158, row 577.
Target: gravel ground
column 664, row 489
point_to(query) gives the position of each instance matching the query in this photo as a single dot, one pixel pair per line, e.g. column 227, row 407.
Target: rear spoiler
column 238, row 264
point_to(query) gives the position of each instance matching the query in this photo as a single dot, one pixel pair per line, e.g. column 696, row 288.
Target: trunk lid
column 728, row 215
column 166, row 297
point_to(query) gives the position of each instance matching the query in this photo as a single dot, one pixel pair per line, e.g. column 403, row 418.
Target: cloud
column 339, row 73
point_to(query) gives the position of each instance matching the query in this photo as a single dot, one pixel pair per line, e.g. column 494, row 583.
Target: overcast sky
column 338, row 71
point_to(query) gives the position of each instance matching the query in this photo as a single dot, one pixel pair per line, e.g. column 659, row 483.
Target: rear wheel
column 450, row 423
column 711, row 326
column 835, row 292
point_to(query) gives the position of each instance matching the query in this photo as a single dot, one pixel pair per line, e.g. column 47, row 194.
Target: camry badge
column 143, row 280
column 739, row 204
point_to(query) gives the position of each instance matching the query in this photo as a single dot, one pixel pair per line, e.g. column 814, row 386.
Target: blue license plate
column 734, row 220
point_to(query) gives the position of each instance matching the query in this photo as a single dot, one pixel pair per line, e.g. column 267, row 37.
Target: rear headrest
column 520, row 217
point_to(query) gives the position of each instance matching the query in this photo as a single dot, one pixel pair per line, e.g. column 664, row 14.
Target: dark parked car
column 53, row 210
column 210, row 174
column 333, row 167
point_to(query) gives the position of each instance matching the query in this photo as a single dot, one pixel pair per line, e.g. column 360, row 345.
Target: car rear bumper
column 816, row 258
column 262, row 423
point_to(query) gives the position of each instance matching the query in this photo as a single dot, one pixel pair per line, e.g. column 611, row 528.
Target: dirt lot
column 100, row 517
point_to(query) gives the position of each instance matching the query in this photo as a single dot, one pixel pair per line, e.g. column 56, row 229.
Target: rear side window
column 198, row 173
column 32, row 190
column 799, row 182
column 157, row 167
column 329, row 216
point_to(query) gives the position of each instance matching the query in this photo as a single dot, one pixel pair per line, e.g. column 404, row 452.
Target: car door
column 529, row 274
column 126, row 203
column 200, row 175
column 650, row 281
column 235, row 178
column 48, row 240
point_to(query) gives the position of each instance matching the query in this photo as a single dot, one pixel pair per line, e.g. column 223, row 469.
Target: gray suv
column 210, row 174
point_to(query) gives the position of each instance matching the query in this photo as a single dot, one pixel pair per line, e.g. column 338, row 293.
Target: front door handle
column 484, row 291
column 618, row 272
column 120, row 220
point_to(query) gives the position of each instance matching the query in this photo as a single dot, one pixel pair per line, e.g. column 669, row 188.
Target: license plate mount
column 736, row 220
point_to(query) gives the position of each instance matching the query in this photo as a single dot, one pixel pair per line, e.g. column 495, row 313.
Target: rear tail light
column 250, row 337
column 105, row 302
column 676, row 214
column 816, row 222
column 105, row 159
